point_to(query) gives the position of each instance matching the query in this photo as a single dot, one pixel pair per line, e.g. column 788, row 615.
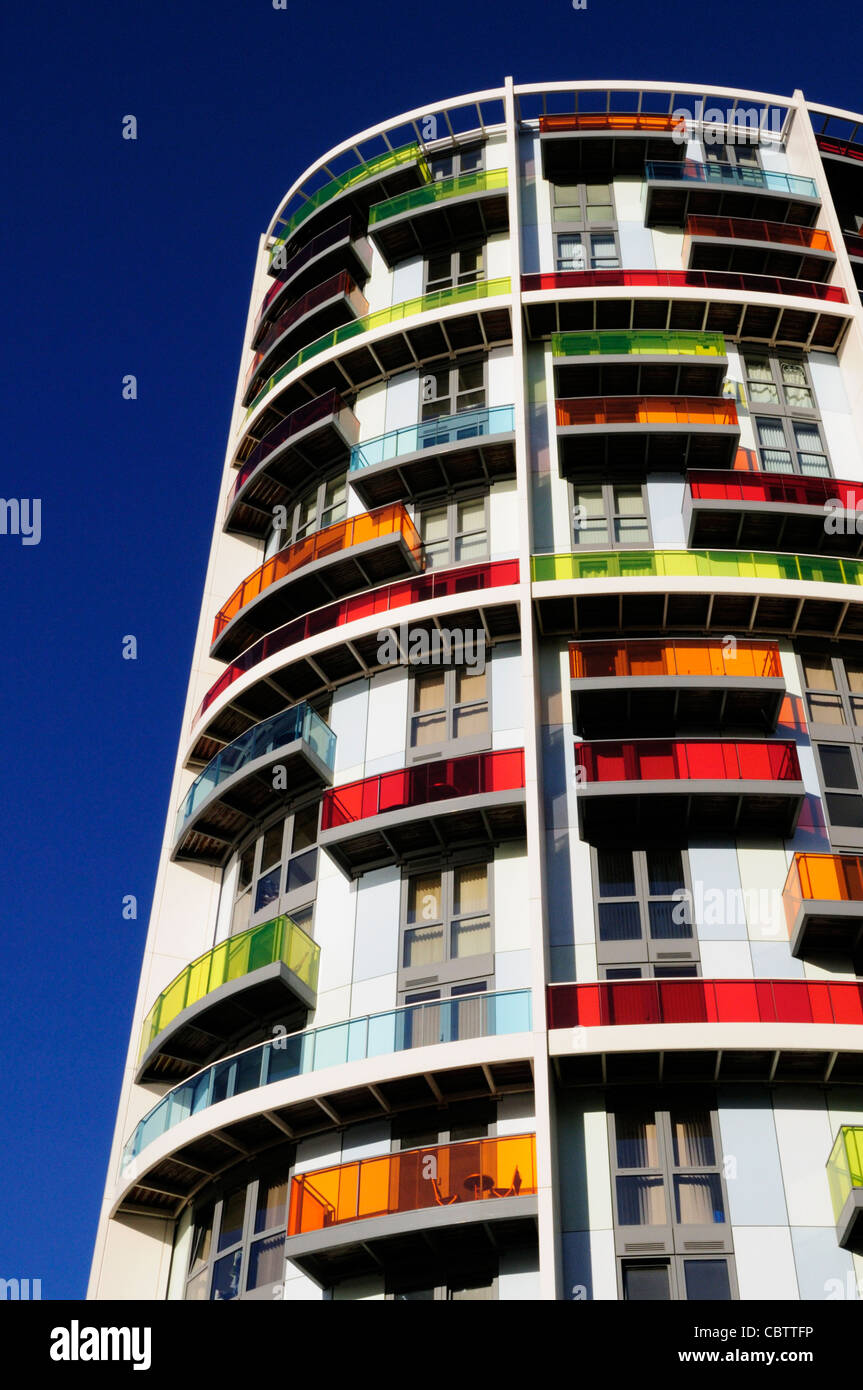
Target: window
column 323, row 505
column 833, row 685
column 582, row 251
column 459, row 161
column 584, row 204
column 609, row 515
column 446, row 928
column 238, row 1240
column 701, row 1278
column 743, row 154
column 649, row 972
column 841, row 771
column 451, row 268
column 643, row 907
column 669, row 1199
column 278, row 872
column 785, row 415
column 455, row 532
column 453, row 389
column 449, row 705
column 480, row 1286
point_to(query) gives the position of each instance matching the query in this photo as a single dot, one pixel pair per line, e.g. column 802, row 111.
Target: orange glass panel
column 438, row 1175
column 822, row 878
column 606, row 120
column 678, row 657
column 390, row 520
column 751, row 229
column 646, row 410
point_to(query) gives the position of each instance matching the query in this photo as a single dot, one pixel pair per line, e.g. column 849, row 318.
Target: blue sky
column 136, row 257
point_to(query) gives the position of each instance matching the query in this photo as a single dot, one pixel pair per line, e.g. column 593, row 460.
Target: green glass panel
column 717, row 564
column 626, row 342
column 436, row 192
column 390, row 159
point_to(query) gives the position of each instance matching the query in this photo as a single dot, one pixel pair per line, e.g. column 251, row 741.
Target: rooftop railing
column 369, row 168
column 611, row 121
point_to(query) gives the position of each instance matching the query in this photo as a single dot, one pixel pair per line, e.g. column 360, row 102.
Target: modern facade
column 507, row 939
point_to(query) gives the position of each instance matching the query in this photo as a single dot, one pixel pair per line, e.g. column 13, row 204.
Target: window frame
column 675, row 1264
column 579, row 220
column 782, row 413
column 585, row 239
column 452, row 396
column 278, row 537
column 450, row 745
column 610, row 512
column 459, row 971
column 287, row 904
column 842, row 836
column 456, row 154
column 646, row 950
column 455, row 279
column 215, row 1201
column 452, row 501
column 820, row 730
column 672, row 1237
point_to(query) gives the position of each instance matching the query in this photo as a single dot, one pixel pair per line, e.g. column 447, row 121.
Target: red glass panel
column 682, row 279
column 705, row 1001
column 443, row 780
column 696, row 759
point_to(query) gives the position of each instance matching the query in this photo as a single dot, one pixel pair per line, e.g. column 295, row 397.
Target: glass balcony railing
column 707, row 564
column 479, row 181
column 341, row 284
column 331, row 237
column 688, row 760
column 433, row 434
column 382, row 318
column 321, row 408
column 832, row 878
column 370, row 168
column 730, row 176
column 413, row 1180
column 300, row 722
column 654, row 342
column 845, row 1166
column 846, row 149
column 784, row 489
column 853, row 243
column 751, row 229
column 682, row 280
column 477, row 774
column 704, row 1001
column 434, row 585
column 645, row 410
column 391, row 520
column 374, row 1035
column 278, row 940
column 687, row 656
column 611, row 121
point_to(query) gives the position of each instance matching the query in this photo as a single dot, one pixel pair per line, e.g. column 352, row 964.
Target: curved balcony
column 472, row 447
column 321, row 310
column 475, row 801
column 388, row 173
column 697, row 590
column 845, row 1179
column 422, row 343
column 268, row 972
column 353, row 554
column 674, row 190
column 255, row 1078
column 660, row 686
column 342, row 661
column 308, row 444
column 340, row 247
column 389, row 1206
column 597, row 143
column 639, row 361
column 554, row 311
column 611, row 432
column 236, row 788
column 758, row 247
column 853, row 245
column 443, row 213
column 720, row 786
column 780, row 511
column 823, row 900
